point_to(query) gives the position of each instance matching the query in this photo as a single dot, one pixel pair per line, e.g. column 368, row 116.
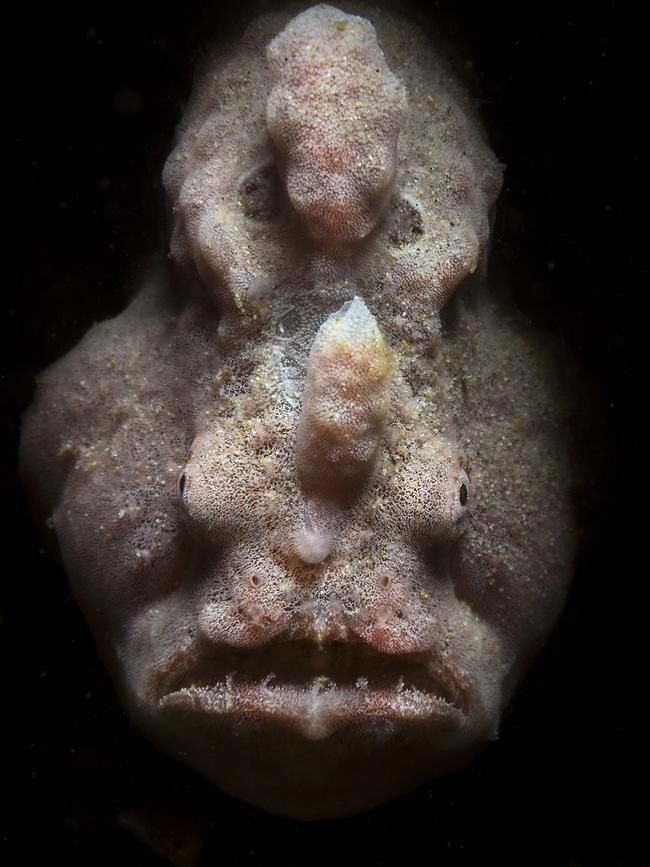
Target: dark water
column 90, row 108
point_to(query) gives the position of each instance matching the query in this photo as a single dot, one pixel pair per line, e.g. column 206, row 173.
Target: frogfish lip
column 315, row 690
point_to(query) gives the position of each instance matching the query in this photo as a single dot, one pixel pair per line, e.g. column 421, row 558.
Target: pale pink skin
column 316, row 571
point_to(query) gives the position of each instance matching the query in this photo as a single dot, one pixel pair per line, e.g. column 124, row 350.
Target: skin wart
column 318, row 534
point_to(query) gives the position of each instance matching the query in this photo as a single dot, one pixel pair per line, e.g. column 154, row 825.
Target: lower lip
column 316, row 709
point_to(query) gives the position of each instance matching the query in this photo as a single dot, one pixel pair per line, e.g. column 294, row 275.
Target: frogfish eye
column 181, row 484
column 463, row 494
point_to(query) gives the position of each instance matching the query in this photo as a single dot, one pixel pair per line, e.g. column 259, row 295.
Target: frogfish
column 312, row 488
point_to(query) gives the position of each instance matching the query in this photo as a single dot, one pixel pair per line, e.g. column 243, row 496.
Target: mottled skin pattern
column 318, row 529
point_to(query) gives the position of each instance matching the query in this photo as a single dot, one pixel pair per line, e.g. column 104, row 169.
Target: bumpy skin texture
column 318, row 536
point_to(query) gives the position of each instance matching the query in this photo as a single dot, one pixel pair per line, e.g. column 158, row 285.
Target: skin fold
column 313, row 487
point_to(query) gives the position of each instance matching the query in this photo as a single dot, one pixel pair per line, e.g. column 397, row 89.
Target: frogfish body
column 312, row 488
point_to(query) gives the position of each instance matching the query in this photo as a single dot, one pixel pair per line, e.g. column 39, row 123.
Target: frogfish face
column 312, row 488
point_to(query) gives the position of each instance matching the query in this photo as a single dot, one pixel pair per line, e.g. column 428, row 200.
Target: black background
column 91, row 98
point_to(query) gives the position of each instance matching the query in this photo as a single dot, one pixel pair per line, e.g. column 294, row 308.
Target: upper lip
column 349, row 679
